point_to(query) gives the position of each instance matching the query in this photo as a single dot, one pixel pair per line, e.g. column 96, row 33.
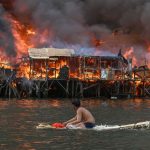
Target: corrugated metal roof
column 45, row 53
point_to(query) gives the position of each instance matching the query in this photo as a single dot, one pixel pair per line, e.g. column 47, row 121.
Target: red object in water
column 57, row 125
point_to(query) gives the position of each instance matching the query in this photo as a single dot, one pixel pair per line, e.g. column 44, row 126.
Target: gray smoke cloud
column 71, row 22
column 6, row 36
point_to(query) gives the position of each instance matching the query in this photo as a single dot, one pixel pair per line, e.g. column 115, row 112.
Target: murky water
column 18, row 119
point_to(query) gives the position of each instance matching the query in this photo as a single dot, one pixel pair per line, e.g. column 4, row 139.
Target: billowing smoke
column 117, row 23
column 6, row 36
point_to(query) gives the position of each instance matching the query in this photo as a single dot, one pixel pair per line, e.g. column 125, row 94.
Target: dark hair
column 76, row 103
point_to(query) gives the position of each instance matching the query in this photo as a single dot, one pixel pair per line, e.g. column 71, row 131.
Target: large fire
column 26, row 36
column 26, row 25
column 22, row 36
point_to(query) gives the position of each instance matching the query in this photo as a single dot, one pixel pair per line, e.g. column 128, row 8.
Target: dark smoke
column 72, row 22
column 6, row 36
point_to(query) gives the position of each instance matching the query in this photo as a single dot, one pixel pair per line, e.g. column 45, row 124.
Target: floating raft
column 139, row 125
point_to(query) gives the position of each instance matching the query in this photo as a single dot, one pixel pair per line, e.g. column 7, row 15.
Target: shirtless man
column 83, row 118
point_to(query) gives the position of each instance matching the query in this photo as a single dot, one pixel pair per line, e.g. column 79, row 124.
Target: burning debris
column 77, row 28
column 99, row 24
column 45, row 70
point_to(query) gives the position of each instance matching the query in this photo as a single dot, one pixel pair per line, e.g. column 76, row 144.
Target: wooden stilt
column 73, row 90
column 98, row 90
column 81, row 89
column 67, row 89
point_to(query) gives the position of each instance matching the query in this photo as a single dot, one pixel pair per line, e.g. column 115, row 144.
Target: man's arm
column 78, row 117
column 71, row 120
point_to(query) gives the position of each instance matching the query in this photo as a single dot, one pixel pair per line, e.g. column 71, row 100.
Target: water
column 18, row 119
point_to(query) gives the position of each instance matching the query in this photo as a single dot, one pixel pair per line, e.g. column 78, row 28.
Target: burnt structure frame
column 122, row 85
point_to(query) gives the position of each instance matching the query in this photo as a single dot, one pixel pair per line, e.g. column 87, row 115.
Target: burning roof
column 45, row 53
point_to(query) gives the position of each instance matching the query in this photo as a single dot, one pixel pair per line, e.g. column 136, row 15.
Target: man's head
column 76, row 103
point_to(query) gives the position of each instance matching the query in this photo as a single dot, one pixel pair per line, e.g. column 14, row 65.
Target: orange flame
column 130, row 54
column 22, row 35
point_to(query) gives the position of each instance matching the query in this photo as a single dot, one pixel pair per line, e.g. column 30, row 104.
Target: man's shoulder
column 81, row 109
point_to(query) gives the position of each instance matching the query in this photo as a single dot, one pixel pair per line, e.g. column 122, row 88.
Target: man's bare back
column 84, row 115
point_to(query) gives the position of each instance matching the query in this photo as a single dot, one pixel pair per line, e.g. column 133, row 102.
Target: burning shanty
column 82, row 39
column 53, row 72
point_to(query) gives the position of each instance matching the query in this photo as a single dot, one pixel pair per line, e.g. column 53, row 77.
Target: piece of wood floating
column 139, row 125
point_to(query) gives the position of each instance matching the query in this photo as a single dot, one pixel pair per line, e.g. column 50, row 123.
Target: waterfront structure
column 51, row 72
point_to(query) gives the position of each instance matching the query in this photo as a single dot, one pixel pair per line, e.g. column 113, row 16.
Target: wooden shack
column 64, row 63
column 53, row 72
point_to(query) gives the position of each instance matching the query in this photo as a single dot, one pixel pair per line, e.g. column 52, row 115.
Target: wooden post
column 143, row 94
column 80, row 68
column 67, row 88
column 84, row 68
column 118, row 87
column 33, row 66
column 46, row 66
column 55, row 69
column 76, row 88
column 30, row 68
column 134, row 86
column 98, row 92
column 41, row 69
column 72, row 89
column 81, row 89
column 9, row 93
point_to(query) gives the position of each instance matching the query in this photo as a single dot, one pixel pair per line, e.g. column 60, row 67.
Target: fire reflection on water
column 136, row 104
